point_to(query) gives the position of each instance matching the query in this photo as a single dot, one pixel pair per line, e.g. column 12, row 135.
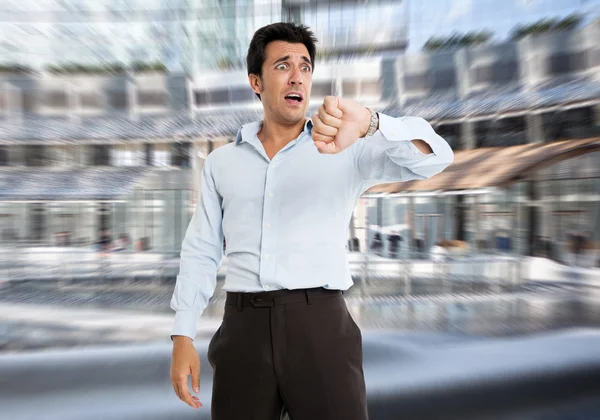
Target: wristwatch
column 374, row 125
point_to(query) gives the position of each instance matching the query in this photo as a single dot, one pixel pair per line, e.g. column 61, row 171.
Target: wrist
column 181, row 339
column 366, row 122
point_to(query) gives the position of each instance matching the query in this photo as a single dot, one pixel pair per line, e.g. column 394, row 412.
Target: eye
column 281, row 66
column 306, row 68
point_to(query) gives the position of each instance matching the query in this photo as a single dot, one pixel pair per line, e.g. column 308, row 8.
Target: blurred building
column 86, row 152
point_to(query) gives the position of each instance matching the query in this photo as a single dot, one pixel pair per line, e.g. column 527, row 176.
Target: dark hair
column 281, row 31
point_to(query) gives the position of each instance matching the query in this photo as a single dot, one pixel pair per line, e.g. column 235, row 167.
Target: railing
column 81, row 264
column 372, row 274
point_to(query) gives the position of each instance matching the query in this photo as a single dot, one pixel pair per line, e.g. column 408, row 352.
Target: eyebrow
column 287, row 57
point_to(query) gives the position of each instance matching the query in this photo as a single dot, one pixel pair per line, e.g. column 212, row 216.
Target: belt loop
column 308, row 298
column 239, row 302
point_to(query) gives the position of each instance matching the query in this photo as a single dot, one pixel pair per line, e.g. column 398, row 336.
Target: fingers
column 196, row 378
column 180, row 385
column 331, row 104
column 184, row 393
column 322, row 142
column 326, row 123
column 329, row 119
column 327, row 148
column 323, row 136
column 319, row 127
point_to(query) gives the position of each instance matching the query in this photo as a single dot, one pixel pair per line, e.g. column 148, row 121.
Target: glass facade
column 97, row 32
column 189, row 35
column 158, row 217
column 536, row 216
column 348, row 26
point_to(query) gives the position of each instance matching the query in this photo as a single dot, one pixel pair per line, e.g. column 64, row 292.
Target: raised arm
column 402, row 149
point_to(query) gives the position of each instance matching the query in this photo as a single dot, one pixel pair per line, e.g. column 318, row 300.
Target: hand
column 338, row 124
column 185, row 362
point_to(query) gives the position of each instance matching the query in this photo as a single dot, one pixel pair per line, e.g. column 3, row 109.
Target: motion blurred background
column 108, row 109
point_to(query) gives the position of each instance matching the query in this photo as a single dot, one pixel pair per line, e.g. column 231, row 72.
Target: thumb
column 196, row 378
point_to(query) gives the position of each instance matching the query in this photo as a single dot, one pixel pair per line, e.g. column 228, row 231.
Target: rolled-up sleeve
column 201, row 257
column 391, row 156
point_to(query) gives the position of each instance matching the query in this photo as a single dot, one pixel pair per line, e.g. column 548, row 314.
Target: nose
column 296, row 77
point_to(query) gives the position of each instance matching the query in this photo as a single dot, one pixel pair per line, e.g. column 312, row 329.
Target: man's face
column 286, row 81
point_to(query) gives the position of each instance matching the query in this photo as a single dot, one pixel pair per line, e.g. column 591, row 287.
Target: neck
column 279, row 134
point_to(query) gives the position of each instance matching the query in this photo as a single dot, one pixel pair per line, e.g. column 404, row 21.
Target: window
column 180, row 155
column 28, row 100
column 370, row 89
column 350, row 88
column 450, row 133
column 148, row 154
column 35, row 155
column 482, row 74
column 594, row 57
column 505, row 71
column 4, row 159
column 442, row 79
column 321, row 89
column 567, row 62
column 160, row 157
column 118, row 99
column 216, row 97
column 414, row 82
column 104, row 216
column 37, row 221
column 100, row 155
column 55, row 99
column 242, row 94
column 482, row 130
column 501, row 132
column 509, row 132
column 570, row 124
column 124, row 157
column 152, row 98
column 499, row 72
column 91, row 100
column 201, row 98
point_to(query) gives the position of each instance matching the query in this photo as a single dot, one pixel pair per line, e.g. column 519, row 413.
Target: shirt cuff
column 185, row 324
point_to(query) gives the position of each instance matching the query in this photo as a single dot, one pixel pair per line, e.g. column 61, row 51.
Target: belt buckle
column 255, row 299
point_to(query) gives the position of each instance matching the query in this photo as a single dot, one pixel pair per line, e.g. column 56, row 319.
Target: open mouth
column 294, row 98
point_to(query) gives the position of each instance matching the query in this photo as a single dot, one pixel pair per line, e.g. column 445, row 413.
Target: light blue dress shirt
column 286, row 220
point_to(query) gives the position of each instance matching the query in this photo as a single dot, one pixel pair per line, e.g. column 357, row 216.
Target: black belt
column 278, row 297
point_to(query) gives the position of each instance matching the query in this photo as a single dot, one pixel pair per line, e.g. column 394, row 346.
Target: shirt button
column 270, row 194
column 267, row 287
column 267, row 256
column 268, row 225
column 416, row 151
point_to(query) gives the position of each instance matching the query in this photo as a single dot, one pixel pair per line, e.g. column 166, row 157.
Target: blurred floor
column 35, row 327
column 36, row 317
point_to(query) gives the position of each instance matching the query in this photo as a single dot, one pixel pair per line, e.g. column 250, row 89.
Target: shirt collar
column 248, row 132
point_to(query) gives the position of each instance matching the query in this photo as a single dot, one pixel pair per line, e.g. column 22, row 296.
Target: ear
column 255, row 83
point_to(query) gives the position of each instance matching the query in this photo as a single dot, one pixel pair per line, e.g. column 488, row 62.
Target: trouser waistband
column 278, row 297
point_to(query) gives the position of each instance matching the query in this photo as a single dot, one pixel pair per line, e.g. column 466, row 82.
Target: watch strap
column 373, row 125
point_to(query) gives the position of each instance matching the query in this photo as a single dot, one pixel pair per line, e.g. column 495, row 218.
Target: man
column 282, row 195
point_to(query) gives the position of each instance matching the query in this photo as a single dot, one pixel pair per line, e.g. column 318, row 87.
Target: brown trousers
column 295, row 351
